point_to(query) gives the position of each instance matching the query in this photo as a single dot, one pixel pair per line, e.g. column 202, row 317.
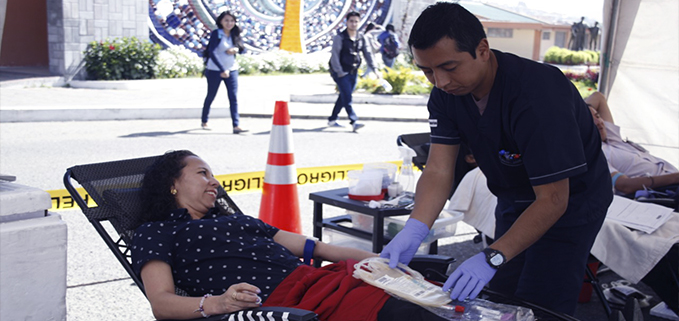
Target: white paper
column 645, row 217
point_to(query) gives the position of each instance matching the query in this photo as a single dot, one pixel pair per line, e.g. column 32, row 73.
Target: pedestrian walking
column 390, row 45
column 344, row 63
column 225, row 43
column 373, row 45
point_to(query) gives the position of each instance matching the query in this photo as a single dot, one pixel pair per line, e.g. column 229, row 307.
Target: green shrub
column 418, row 85
column 371, row 85
column 125, row 58
column 178, row 62
column 398, row 78
column 247, row 64
column 280, row 61
column 553, row 55
column 562, row 56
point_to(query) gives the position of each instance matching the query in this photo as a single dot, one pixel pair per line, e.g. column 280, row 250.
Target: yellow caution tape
column 234, row 183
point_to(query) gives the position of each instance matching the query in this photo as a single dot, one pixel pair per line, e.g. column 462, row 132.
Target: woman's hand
column 238, row 297
column 224, row 74
column 232, row 51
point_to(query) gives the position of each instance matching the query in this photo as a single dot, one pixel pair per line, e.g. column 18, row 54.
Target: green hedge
column 562, row 56
column 124, row 58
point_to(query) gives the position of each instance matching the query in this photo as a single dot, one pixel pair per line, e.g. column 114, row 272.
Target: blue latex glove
column 469, row 278
column 403, row 246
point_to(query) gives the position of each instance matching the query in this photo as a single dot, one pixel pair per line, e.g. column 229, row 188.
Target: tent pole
column 606, row 57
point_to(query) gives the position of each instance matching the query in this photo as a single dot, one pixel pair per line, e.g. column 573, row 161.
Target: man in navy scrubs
column 533, row 137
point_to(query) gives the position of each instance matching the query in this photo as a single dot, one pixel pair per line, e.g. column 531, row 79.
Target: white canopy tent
column 640, row 72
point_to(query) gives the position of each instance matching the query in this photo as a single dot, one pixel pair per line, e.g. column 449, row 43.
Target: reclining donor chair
column 113, row 207
column 115, row 188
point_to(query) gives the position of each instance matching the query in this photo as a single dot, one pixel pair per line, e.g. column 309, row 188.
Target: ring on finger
column 233, row 295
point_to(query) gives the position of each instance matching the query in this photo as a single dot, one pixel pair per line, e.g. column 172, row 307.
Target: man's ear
column 483, row 50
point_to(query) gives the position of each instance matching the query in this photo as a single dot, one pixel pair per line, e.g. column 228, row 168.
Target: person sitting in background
column 632, row 167
column 228, row 263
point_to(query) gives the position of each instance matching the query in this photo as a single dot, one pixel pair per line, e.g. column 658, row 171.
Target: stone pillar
column 405, row 14
column 32, row 255
column 73, row 24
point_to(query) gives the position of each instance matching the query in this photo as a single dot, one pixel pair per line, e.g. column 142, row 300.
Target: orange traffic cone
column 280, row 204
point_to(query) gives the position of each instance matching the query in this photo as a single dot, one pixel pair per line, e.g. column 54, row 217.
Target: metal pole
column 607, row 52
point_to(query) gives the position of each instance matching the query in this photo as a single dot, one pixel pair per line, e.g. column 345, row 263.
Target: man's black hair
column 446, row 19
column 353, row 14
column 390, row 27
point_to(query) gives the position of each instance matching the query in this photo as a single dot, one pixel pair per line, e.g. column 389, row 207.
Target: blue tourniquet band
column 615, row 178
column 309, row 251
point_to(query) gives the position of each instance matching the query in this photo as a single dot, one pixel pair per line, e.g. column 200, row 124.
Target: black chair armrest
column 275, row 313
column 667, row 202
column 433, row 267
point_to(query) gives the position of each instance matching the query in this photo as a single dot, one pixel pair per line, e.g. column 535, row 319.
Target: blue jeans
column 389, row 62
column 346, row 86
column 213, row 81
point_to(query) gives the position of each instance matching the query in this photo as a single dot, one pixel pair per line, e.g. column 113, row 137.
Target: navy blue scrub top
column 536, row 130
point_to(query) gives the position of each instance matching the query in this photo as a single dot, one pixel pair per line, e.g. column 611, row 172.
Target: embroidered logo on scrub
column 433, row 123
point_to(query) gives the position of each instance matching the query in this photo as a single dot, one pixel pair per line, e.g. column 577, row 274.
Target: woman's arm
column 212, row 45
column 629, row 185
column 159, row 284
column 295, row 243
column 598, row 101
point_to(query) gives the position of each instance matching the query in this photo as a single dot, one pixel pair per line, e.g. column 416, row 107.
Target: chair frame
column 98, row 214
column 125, row 174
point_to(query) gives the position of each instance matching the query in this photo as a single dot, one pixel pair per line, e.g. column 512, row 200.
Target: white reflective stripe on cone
column 281, row 140
column 280, row 175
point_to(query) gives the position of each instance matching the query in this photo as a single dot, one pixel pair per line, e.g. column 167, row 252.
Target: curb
column 406, row 100
column 55, row 81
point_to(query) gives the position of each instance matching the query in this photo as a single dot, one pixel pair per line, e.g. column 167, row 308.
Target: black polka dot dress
column 210, row 254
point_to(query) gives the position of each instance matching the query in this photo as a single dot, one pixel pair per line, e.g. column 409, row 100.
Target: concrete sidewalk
column 39, row 98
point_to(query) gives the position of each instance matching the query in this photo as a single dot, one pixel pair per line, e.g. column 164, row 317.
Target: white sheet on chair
column 630, row 254
column 473, row 198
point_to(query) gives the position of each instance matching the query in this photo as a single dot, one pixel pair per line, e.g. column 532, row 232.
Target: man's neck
column 489, row 79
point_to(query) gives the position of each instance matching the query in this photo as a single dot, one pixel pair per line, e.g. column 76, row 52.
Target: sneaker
column 357, row 126
column 238, row 130
column 204, row 126
column 333, row 123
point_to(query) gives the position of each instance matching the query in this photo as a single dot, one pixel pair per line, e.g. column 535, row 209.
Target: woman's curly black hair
column 157, row 183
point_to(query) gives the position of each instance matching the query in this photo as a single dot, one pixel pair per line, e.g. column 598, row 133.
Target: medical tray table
column 339, row 198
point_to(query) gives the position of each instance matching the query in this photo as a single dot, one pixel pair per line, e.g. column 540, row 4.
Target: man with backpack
column 390, row 45
column 344, row 63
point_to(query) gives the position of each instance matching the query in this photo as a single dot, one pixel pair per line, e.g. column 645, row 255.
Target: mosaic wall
column 189, row 22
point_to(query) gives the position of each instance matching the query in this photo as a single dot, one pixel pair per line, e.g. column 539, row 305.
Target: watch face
column 496, row 259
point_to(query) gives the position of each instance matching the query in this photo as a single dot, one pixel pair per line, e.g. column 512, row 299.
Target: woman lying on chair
column 233, row 262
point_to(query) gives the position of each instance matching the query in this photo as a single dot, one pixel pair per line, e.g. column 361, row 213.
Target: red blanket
column 331, row 292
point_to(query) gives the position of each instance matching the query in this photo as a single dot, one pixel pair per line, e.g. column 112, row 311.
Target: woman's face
column 196, row 187
column 228, row 22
